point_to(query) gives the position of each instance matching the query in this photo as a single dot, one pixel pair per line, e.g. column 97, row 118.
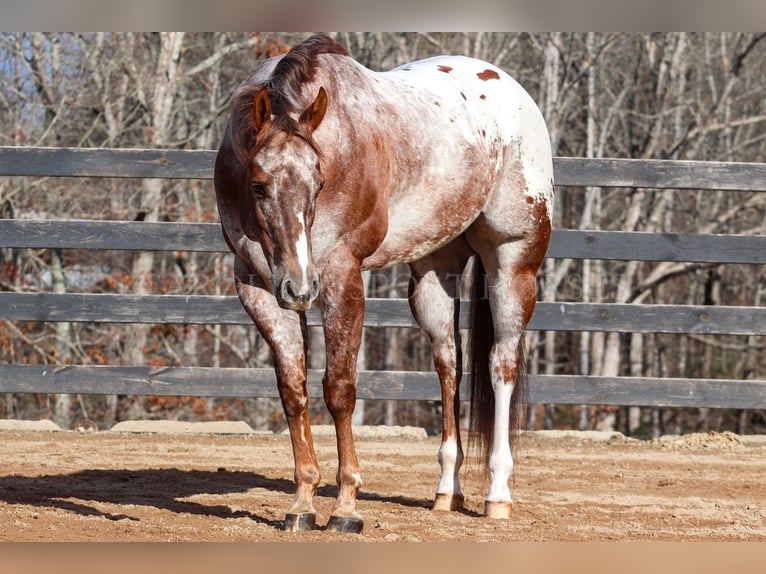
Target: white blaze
column 302, row 249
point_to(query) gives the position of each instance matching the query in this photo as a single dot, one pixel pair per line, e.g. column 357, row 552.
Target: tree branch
column 211, row 61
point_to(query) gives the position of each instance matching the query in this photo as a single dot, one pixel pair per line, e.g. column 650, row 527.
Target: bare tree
column 660, row 95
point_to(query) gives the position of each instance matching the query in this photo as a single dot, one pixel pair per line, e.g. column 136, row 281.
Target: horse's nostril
column 314, row 288
column 288, row 289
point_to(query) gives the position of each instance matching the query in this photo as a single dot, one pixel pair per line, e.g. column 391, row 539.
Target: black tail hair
column 482, row 337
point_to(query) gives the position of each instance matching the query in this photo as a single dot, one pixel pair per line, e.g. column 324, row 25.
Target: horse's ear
column 261, row 109
column 313, row 115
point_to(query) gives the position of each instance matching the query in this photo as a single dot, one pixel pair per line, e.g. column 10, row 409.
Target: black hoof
column 345, row 524
column 300, row 522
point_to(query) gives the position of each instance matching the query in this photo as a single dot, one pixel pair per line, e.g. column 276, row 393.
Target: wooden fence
column 231, row 382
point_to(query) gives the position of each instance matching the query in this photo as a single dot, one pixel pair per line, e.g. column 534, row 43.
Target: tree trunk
column 161, row 106
column 636, row 370
column 63, row 402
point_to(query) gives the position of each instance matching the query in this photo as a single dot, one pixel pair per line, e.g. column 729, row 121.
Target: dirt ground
column 108, row 486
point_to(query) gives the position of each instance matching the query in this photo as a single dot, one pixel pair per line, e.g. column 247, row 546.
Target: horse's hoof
column 345, row 524
column 499, row 510
column 300, row 522
column 447, row 502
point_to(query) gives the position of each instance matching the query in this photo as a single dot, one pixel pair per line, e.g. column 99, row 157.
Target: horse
column 327, row 169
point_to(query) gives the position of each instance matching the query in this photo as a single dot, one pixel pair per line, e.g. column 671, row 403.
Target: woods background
column 666, row 96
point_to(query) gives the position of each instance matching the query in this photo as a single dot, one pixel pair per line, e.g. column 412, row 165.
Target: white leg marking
column 357, row 479
column 450, row 460
column 501, row 461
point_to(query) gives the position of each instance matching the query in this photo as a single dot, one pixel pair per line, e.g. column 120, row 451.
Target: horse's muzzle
column 297, row 295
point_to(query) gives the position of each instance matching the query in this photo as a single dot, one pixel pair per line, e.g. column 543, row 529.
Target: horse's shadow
column 165, row 489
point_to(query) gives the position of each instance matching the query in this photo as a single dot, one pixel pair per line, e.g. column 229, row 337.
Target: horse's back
column 495, row 100
column 482, row 144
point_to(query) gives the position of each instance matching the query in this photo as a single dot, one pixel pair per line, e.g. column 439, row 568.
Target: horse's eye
column 258, row 189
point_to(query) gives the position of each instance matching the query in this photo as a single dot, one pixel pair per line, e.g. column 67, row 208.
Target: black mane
column 295, row 69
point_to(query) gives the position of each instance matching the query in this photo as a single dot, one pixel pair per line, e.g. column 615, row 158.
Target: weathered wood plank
column 198, row 164
column 648, row 391
column 119, row 308
column 660, row 174
column 106, row 162
column 396, row 385
column 208, row 309
column 644, row 246
column 207, row 237
column 629, row 318
column 116, row 235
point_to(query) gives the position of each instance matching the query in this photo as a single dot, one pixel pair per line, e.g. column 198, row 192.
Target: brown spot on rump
column 483, row 97
column 488, row 75
column 517, row 171
column 530, row 200
column 462, row 94
column 445, row 69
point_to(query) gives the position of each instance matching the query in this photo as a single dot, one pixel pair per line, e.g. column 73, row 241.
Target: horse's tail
column 482, row 338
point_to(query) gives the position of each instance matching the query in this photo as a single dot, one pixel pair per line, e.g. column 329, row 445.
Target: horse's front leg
column 342, row 301
column 284, row 332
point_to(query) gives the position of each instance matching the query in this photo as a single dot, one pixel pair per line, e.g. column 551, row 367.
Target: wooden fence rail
column 198, row 309
column 198, row 164
column 211, row 309
column 206, row 237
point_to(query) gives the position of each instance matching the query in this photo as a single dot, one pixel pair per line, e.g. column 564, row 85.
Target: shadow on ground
column 164, row 489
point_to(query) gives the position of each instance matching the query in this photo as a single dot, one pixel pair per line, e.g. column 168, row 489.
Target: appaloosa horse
column 328, row 169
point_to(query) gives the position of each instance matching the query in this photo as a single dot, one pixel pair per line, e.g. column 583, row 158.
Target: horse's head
column 281, row 182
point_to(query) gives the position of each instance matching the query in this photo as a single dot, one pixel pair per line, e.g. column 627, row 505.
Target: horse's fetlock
column 308, row 475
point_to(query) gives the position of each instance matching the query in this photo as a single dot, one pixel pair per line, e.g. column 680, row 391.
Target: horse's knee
column 339, row 395
column 294, row 396
column 446, row 354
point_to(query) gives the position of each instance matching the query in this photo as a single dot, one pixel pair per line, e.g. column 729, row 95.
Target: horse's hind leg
column 284, row 332
column 435, row 302
column 511, row 268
